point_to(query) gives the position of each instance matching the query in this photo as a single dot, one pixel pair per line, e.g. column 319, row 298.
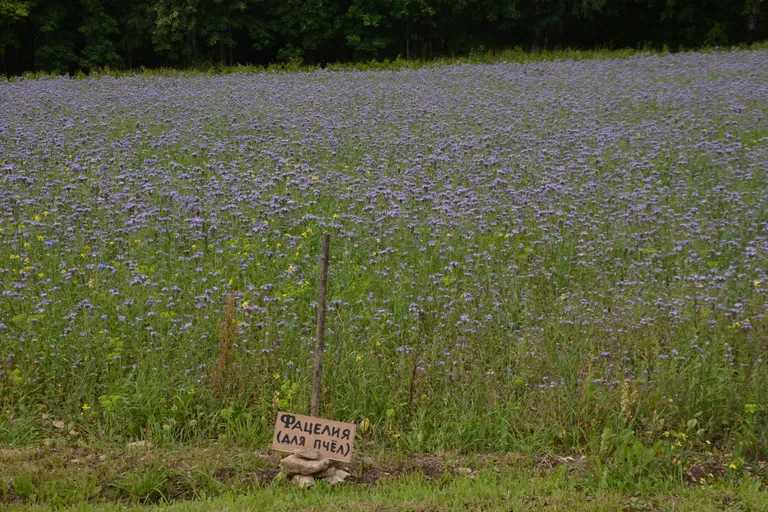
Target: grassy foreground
column 488, row 491
column 220, row 478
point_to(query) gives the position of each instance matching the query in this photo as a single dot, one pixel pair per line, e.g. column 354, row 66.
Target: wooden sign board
column 333, row 439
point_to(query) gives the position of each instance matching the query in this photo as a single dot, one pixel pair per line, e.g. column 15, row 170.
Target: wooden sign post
column 315, row 442
column 314, row 406
column 295, row 433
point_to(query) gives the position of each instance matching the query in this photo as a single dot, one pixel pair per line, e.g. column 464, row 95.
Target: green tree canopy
column 66, row 36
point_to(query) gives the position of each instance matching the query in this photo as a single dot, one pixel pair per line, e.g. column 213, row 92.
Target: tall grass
column 477, row 56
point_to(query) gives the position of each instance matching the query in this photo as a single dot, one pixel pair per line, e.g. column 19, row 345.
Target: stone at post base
column 337, row 477
column 308, row 454
column 294, row 465
column 302, row 481
column 325, row 474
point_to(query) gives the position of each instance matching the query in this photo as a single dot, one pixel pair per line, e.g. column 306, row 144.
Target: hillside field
column 561, row 260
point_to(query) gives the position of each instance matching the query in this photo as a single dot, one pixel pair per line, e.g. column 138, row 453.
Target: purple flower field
column 517, row 250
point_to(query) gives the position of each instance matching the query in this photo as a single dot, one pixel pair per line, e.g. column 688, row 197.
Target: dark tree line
column 70, row 35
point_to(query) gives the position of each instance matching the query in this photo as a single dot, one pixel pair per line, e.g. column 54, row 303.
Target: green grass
column 219, row 478
column 513, row 55
column 487, row 491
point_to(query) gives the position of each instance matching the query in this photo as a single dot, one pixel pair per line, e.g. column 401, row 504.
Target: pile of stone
column 304, row 468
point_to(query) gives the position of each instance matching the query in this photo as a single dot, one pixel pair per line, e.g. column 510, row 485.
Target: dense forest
column 71, row 35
